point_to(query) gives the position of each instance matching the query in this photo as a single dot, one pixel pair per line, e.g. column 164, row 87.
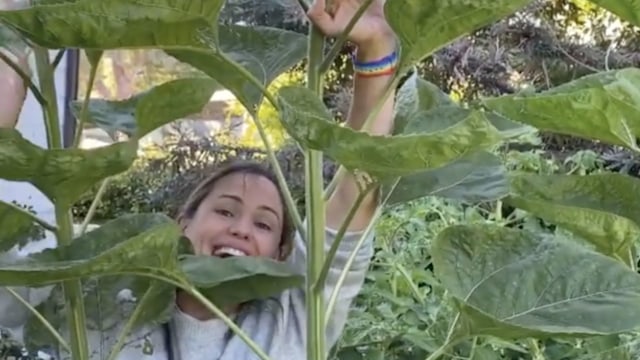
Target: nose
column 240, row 228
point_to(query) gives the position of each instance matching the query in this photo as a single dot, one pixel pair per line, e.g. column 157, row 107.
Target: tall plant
column 437, row 147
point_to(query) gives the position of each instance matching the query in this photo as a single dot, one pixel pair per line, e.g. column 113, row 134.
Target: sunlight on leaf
column 264, row 53
column 111, row 24
column 603, row 106
column 147, row 111
column 309, row 122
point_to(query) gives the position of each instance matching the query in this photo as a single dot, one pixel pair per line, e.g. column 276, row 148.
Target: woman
column 239, row 211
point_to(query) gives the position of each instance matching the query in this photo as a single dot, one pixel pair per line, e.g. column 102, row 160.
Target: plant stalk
column 84, row 112
column 270, row 153
column 94, row 206
column 72, row 288
column 315, row 206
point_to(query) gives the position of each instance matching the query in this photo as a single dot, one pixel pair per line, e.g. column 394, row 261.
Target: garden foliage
column 503, row 282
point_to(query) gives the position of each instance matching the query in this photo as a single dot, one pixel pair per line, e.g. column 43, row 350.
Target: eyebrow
column 238, row 199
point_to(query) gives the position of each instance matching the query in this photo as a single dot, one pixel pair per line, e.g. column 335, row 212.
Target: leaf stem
column 315, row 205
column 94, row 206
column 365, row 234
column 41, row 318
column 282, row 182
column 220, row 314
column 115, row 350
column 33, row 217
column 319, row 284
column 337, row 45
column 72, row 288
column 84, row 112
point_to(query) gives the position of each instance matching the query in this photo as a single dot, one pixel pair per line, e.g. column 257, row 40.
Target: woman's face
column 241, row 216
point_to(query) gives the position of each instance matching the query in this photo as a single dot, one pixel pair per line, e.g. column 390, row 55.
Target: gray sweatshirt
column 277, row 325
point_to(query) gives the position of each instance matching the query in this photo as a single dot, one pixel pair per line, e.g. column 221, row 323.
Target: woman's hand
column 13, row 91
column 371, row 32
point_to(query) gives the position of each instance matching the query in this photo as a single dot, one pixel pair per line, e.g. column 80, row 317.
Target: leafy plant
column 436, row 140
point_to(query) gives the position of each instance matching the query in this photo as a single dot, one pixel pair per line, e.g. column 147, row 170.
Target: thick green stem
column 222, row 316
column 72, row 288
column 315, row 205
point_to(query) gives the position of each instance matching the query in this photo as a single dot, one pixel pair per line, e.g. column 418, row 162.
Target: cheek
column 268, row 245
column 199, row 231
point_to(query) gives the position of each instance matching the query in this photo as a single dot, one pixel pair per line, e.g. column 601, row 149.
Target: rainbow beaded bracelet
column 384, row 66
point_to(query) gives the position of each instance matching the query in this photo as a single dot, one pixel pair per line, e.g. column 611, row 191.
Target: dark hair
column 204, row 188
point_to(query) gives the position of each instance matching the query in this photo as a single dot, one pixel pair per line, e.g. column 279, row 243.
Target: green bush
column 162, row 182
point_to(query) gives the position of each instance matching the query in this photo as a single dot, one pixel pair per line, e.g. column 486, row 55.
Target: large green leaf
column 628, row 10
column 249, row 59
column 150, row 252
column 309, row 122
column 111, row 24
column 415, row 96
column 62, row 175
column 476, row 177
column 235, row 280
column 424, row 27
column 603, row 106
column 149, row 110
column 17, row 226
column 514, row 283
column 118, row 260
column 600, row 208
column 422, row 107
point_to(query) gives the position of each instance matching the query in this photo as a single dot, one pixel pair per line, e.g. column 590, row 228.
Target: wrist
column 377, row 48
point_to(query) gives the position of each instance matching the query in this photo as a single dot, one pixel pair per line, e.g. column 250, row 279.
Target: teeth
column 225, row 250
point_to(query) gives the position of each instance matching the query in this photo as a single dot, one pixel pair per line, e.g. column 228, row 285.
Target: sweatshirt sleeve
column 354, row 279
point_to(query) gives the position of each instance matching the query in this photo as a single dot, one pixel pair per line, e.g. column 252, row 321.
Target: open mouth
column 226, row 251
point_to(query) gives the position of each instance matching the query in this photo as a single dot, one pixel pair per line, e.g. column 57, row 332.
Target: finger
column 322, row 19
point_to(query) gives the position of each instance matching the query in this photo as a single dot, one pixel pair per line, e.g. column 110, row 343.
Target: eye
column 224, row 212
column 264, row 226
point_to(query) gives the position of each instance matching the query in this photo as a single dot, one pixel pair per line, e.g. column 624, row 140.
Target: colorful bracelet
column 385, row 66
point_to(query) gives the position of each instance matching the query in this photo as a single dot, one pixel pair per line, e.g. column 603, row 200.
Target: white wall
column 31, row 126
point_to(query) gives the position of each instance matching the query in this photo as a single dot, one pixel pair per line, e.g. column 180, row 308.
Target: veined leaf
column 603, row 106
column 308, row 121
column 235, row 280
column 117, row 259
column 417, row 95
column 147, row 111
column 628, row 10
column 249, row 59
column 151, row 252
column 422, row 107
column 476, row 177
column 514, row 283
column 424, row 27
column 17, row 226
column 111, row 24
column 596, row 207
column 62, row 175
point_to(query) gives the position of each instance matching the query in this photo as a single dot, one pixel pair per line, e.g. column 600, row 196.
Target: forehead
column 253, row 189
